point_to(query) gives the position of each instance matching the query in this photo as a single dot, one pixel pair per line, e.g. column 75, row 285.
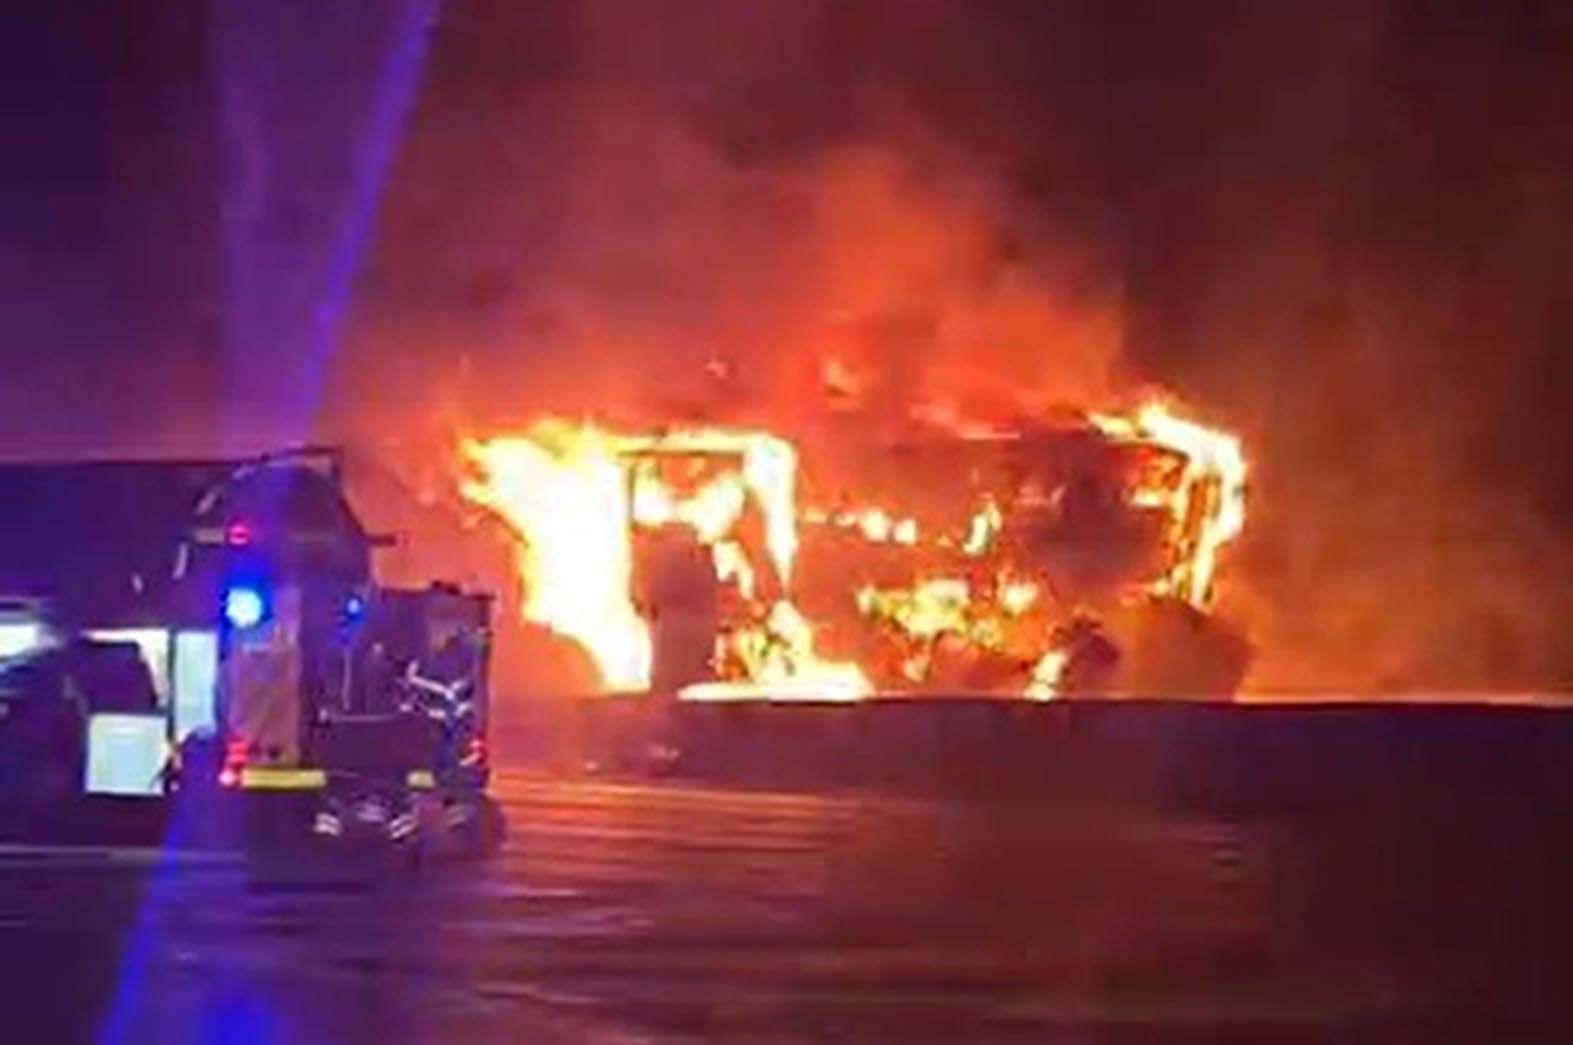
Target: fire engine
column 268, row 665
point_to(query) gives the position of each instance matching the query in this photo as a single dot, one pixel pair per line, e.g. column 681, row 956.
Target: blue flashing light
column 244, row 607
column 354, row 608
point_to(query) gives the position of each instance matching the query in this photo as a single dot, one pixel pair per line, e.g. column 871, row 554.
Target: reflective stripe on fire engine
column 273, row 778
column 421, row 779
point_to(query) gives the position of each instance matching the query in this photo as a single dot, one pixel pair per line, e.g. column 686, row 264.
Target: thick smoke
column 1342, row 230
column 649, row 273
column 1361, row 264
column 627, row 222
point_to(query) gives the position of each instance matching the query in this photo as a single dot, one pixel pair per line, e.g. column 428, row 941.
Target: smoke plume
column 1340, row 228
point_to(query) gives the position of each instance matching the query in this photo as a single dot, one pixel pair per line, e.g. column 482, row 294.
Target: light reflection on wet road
column 670, row 913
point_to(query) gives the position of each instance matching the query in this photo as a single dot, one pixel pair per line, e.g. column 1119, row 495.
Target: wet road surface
column 666, row 912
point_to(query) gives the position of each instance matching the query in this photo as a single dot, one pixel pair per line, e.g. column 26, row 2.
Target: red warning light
column 238, row 535
column 474, row 752
column 229, row 774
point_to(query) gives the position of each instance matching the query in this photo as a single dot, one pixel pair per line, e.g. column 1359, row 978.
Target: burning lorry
column 261, row 660
column 1073, row 555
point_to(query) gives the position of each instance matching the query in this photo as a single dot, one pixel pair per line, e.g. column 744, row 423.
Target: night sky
column 1344, row 229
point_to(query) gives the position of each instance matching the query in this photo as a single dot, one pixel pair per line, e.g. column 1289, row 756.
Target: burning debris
column 1037, row 561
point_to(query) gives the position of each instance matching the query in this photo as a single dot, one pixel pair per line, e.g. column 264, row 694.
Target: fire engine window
column 195, row 683
column 30, row 675
column 19, row 637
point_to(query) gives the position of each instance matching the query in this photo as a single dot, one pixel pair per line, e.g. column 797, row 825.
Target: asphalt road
column 653, row 913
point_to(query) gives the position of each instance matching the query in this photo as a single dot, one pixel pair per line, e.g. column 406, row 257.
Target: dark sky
column 107, row 221
column 1342, row 227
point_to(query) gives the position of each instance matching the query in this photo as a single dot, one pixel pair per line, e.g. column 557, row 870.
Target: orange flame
column 563, row 490
column 1207, row 510
column 574, row 493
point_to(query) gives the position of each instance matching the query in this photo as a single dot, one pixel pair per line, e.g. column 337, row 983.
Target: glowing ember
column 1046, row 675
column 986, row 522
column 925, row 611
column 779, row 657
column 1017, row 597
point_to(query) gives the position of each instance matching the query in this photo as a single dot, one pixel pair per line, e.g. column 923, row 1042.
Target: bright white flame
column 573, row 494
column 565, row 492
column 1045, row 684
column 985, row 524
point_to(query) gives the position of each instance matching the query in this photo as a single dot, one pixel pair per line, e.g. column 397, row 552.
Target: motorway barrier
column 1233, row 758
